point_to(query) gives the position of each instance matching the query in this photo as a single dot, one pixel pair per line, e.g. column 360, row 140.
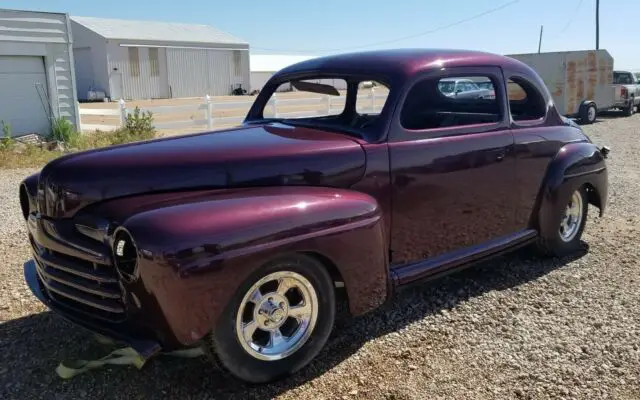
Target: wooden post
column 209, row 111
column 275, row 106
column 79, row 119
column 123, row 112
column 372, row 96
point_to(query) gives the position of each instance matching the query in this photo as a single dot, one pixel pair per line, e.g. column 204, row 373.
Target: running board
column 435, row 267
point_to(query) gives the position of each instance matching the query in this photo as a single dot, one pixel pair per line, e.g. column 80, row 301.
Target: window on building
column 437, row 103
column 134, row 61
column 525, row 101
column 237, row 63
column 154, row 63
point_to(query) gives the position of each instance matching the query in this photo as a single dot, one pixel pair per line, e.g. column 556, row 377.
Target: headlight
column 125, row 255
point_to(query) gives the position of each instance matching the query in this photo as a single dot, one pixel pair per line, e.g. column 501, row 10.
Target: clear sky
column 329, row 26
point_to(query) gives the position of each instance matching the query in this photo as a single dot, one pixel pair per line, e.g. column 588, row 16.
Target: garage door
column 197, row 72
column 20, row 104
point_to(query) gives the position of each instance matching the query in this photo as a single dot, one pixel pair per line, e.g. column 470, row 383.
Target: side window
column 287, row 102
column 525, row 101
column 371, row 97
column 434, row 104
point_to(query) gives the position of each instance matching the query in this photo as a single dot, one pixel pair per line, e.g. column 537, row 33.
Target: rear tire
column 588, row 113
column 570, row 225
column 283, row 340
column 628, row 111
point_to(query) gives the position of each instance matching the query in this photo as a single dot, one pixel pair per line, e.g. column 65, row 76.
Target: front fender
column 574, row 166
column 193, row 256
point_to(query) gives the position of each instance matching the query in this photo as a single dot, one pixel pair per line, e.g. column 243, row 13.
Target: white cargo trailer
column 580, row 82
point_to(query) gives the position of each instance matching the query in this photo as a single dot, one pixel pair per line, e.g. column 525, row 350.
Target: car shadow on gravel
column 31, row 347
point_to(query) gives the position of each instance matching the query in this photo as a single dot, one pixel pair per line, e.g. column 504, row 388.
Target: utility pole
column 597, row 24
column 540, row 39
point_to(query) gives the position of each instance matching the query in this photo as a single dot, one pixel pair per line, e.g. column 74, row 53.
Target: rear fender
column 193, row 256
column 574, row 166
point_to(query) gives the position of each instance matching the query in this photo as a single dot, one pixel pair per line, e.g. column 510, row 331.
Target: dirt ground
column 517, row 327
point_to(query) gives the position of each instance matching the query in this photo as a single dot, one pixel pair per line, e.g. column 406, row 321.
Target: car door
column 452, row 168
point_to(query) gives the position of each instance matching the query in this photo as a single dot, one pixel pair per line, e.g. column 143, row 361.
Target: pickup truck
column 246, row 240
column 626, row 91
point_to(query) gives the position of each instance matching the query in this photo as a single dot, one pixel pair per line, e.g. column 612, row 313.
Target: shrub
column 63, row 131
column 6, row 140
column 139, row 126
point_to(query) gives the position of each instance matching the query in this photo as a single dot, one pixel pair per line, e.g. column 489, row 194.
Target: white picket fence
column 324, row 105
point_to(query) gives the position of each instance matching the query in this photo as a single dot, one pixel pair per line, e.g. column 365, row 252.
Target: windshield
column 321, row 102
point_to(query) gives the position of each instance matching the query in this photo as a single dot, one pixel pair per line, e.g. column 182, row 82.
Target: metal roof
column 273, row 62
column 156, row 31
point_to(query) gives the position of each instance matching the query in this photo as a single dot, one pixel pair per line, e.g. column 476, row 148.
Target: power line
column 575, row 12
column 459, row 22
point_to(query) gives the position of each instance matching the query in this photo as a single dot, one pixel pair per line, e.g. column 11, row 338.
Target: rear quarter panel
column 536, row 148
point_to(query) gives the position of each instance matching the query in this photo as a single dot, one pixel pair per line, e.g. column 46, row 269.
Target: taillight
column 624, row 92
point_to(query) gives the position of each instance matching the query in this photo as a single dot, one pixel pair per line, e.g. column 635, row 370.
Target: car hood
column 263, row 155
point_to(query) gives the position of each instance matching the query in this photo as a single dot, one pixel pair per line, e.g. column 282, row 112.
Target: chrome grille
column 84, row 287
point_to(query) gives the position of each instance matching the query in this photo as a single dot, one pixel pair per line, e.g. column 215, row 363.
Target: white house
column 147, row 60
column 37, row 82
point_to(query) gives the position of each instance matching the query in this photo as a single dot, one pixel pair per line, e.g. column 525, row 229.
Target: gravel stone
column 516, row 327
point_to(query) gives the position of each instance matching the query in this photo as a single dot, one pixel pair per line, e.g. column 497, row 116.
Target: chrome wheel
column 572, row 218
column 591, row 113
column 277, row 315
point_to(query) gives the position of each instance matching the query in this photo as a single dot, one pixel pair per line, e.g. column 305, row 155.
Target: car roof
column 402, row 62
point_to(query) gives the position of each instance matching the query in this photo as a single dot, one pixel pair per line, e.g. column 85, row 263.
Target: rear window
column 623, row 78
column 525, row 101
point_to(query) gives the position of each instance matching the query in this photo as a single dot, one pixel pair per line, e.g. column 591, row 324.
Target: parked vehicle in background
column 626, row 91
column 243, row 240
column 579, row 81
column 465, row 89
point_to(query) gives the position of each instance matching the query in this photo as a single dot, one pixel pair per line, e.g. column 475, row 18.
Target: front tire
column 277, row 321
column 571, row 224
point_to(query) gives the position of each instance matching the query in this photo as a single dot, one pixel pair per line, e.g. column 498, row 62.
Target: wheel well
column 336, row 276
column 593, row 197
column 588, row 103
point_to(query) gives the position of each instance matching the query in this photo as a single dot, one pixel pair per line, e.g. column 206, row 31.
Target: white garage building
column 148, row 60
column 37, row 81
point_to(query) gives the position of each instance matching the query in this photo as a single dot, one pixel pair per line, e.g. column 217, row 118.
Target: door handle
column 500, row 156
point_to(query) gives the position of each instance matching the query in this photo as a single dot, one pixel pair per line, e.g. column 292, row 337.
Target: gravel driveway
column 517, row 327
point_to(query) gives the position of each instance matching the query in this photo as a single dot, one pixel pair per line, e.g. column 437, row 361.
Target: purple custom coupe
column 243, row 239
